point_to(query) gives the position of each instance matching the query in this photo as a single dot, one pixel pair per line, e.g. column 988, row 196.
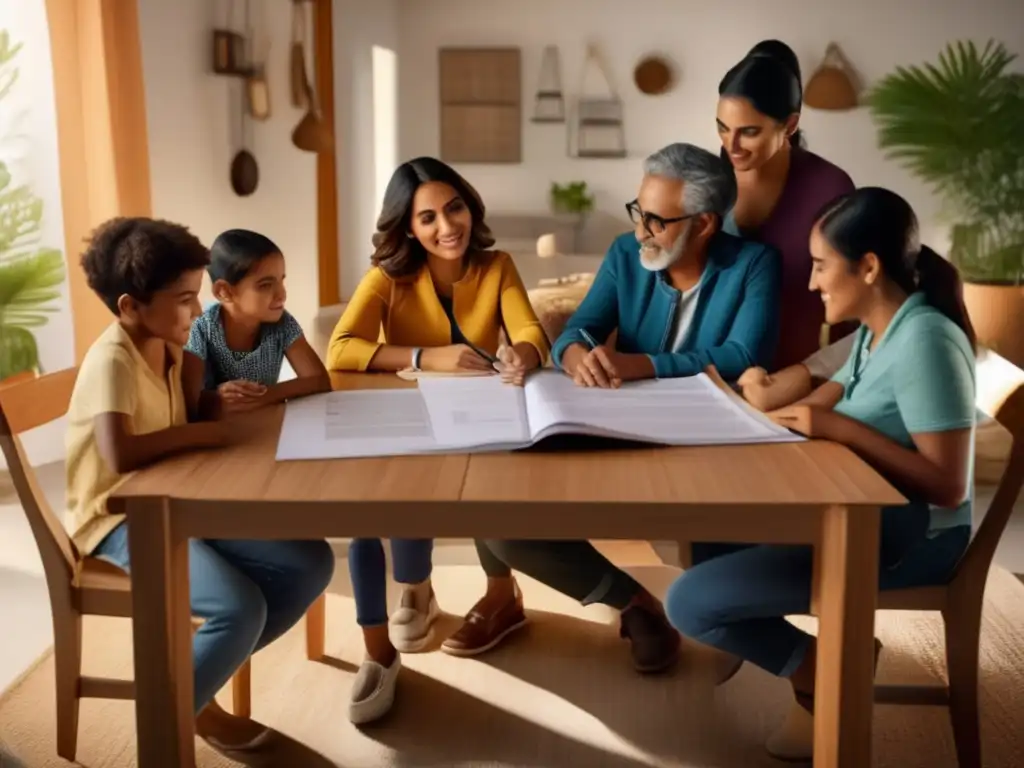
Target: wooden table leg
column 846, row 575
column 165, row 720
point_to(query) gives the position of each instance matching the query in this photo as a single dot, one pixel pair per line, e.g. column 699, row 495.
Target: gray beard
column 657, row 259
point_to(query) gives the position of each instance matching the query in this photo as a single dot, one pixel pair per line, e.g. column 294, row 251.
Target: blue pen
column 591, row 341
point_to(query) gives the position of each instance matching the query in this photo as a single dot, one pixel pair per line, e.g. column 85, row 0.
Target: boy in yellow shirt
column 128, row 410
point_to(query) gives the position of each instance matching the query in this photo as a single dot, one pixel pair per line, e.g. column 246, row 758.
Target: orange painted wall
column 101, row 134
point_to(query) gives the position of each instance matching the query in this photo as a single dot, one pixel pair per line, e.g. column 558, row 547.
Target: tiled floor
column 24, row 603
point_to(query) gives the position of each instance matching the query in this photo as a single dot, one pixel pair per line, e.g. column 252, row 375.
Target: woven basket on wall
column 833, row 86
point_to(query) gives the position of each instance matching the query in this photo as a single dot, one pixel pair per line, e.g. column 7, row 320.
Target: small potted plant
column 574, row 201
column 572, row 198
column 958, row 124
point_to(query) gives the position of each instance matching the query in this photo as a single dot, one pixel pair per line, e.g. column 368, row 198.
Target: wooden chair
column 78, row 586
column 1000, row 394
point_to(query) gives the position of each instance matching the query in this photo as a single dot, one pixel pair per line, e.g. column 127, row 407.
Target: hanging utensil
column 245, row 173
column 312, row 134
column 299, row 83
column 257, row 87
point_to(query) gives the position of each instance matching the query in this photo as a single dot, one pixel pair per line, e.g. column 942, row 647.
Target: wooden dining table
column 814, row 493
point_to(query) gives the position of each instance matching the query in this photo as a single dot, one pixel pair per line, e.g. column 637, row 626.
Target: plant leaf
column 957, row 124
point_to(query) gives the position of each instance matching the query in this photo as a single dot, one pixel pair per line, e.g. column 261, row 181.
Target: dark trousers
column 574, row 568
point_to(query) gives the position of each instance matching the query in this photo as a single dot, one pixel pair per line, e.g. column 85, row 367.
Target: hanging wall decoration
column 480, row 105
column 257, row 86
column 833, row 86
column 549, row 103
column 297, row 56
column 654, row 75
column 599, row 131
column 229, row 47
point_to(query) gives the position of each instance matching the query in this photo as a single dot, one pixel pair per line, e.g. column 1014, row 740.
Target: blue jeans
column 411, row 561
column 736, row 597
column 249, row 593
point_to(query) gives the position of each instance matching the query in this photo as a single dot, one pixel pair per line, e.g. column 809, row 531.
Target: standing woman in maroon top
column 780, row 185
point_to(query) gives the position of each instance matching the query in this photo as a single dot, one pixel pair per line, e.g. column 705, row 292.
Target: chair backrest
column 1000, row 394
column 24, row 405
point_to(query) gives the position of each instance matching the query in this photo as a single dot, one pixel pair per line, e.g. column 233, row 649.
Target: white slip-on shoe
column 411, row 624
column 373, row 691
column 794, row 741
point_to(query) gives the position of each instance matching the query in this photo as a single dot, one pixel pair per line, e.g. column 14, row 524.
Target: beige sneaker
column 373, row 691
column 411, row 624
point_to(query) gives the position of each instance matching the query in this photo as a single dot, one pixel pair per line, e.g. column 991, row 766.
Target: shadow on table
column 588, row 443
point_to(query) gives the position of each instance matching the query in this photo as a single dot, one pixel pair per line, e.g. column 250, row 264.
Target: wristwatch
column 416, row 353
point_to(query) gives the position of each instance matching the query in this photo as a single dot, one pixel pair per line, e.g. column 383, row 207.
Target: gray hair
column 709, row 182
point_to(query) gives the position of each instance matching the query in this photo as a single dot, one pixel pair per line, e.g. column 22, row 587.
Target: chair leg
column 316, row 629
column 67, row 658
column 963, row 634
column 241, row 690
column 685, row 553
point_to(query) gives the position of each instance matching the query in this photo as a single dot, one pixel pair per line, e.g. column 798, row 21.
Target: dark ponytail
column 940, row 281
column 769, row 78
column 876, row 220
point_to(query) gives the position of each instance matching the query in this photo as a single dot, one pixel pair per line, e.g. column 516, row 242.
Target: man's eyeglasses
column 653, row 223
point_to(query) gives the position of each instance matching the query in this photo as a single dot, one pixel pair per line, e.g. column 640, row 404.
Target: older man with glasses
column 681, row 293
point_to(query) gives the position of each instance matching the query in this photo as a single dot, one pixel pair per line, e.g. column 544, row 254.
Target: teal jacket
column 735, row 324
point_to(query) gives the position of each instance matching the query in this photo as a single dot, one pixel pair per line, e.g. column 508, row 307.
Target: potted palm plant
column 30, row 273
column 958, row 124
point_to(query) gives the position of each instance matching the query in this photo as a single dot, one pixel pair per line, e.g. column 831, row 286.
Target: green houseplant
column 30, row 273
column 573, row 201
column 958, row 124
column 572, row 198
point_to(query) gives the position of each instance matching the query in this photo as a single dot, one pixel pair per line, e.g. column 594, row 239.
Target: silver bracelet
column 416, row 353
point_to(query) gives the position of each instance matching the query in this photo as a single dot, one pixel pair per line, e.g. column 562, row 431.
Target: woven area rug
column 561, row 694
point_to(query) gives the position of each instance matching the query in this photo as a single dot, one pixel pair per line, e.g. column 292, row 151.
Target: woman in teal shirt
column 904, row 401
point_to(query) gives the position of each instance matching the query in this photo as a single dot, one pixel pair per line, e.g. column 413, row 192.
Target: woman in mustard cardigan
column 434, row 299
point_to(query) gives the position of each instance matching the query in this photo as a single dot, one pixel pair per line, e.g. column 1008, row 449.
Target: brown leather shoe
column 481, row 631
column 654, row 642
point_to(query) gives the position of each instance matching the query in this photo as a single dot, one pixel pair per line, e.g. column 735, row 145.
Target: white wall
column 705, row 39
column 359, row 26
column 28, row 144
column 193, row 121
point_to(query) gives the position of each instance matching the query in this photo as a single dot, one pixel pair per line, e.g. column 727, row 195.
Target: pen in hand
column 590, row 340
column 613, row 378
column 483, row 353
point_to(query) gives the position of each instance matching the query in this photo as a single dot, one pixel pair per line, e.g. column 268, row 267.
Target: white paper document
column 483, row 414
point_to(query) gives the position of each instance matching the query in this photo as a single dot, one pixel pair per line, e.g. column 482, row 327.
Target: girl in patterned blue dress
column 237, row 346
